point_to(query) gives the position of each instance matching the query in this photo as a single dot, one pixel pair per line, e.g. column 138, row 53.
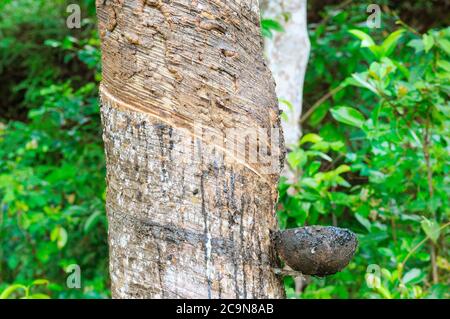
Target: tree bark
column 288, row 54
column 190, row 213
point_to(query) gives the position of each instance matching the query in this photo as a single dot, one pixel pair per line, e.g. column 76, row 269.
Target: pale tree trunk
column 288, row 54
column 184, row 220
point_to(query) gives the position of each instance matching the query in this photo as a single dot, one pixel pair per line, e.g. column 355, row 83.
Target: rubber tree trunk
column 288, row 54
column 189, row 215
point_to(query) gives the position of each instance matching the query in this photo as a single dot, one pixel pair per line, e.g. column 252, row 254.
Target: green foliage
column 26, row 290
column 268, row 26
column 51, row 161
column 375, row 159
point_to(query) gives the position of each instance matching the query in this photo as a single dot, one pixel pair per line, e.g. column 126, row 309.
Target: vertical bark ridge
column 185, row 220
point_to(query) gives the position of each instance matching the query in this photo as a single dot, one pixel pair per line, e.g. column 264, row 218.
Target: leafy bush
column 51, row 161
column 377, row 162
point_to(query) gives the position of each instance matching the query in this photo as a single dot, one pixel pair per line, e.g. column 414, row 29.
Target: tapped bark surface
column 188, row 218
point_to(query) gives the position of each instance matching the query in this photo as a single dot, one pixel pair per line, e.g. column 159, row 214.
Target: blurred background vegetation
column 374, row 156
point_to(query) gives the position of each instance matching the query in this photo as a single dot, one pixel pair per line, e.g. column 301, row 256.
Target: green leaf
column 38, row 282
column 348, row 115
column 386, row 274
column 364, row 221
column 417, row 44
column 366, row 40
column 10, row 290
column 384, row 292
column 342, row 169
column 360, row 81
column 377, row 177
column 54, row 234
column 412, row 276
column 391, row 41
column 443, row 64
column 431, row 229
column 309, row 182
column 270, row 24
column 404, row 70
column 52, row 43
column 297, row 158
column 319, row 114
column 444, row 44
column 62, row 239
column 13, row 261
column 287, row 103
column 310, row 138
column 428, row 42
column 385, row 252
column 337, row 146
column 320, row 154
column 314, row 168
column 266, row 33
column 59, row 234
column 64, row 173
column 340, row 198
column 92, row 221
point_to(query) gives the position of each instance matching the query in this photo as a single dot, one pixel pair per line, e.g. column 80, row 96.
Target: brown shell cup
column 316, row 250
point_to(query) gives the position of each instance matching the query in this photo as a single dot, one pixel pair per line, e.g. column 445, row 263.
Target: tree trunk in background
column 288, row 54
column 185, row 222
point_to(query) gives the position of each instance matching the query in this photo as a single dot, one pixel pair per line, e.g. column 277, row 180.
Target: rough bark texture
column 288, row 54
column 184, row 220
